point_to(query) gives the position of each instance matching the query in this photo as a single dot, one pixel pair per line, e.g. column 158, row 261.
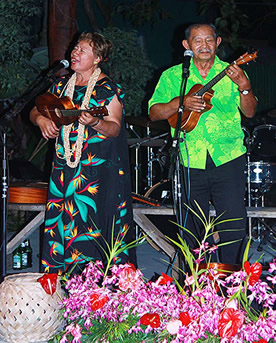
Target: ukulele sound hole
column 58, row 112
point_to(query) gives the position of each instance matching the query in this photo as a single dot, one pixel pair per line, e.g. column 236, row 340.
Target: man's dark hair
column 196, row 26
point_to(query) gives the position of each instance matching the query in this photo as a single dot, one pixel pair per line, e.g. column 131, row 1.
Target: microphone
column 188, row 54
column 61, row 64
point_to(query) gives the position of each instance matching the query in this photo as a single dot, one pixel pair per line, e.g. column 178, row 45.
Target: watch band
column 245, row 91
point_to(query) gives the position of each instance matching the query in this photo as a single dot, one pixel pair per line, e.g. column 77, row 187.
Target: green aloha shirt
column 218, row 130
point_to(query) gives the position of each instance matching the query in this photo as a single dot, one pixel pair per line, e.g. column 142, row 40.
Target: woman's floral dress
column 87, row 203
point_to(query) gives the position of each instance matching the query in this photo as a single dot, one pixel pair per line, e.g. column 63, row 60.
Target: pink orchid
column 272, row 266
column 189, row 280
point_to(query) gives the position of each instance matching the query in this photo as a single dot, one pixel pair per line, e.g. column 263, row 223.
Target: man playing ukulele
column 213, row 151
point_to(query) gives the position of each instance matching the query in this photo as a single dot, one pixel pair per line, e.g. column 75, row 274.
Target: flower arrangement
column 118, row 305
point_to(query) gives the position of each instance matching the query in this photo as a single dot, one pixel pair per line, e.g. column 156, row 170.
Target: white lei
column 68, row 152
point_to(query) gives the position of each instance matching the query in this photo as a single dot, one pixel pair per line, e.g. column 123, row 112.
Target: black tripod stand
column 176, row 169
column 41, row 85
column 3, row 237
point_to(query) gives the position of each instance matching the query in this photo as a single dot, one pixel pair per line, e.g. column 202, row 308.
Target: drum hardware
column 152, row 157
column 264, row 141
column 3, row 232
column 149, row 142
column 161, row 191
column 259, row 173
column 161, row 125
column 136, row 168
column 260, row 176
column 145, row 200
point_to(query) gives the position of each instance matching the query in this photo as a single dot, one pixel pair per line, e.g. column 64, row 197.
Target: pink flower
column 189, row 280
column 212, row 249
column 75, row 331
column 272, row 279
column 129, row 278
column 199, row 260
column 197, row 251
column 272, row 266
column 173, row 326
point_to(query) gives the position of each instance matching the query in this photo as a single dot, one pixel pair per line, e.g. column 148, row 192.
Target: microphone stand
column 175, row 169
column 3, row 232
column 41, row 85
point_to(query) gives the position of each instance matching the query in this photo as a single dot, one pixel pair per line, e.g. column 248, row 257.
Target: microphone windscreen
column 188, row 53
column 65, row 63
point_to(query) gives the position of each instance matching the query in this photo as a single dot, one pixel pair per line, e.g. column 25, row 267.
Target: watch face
column 245, row 92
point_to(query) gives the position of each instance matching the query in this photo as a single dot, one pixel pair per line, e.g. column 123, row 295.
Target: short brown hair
column 101, row 46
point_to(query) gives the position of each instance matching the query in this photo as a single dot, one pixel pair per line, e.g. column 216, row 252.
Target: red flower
column 164, row 279
column 185, row 318
column 211, row 278
column 132, row 266
column 48, row 283
column 97, row 301
column 254, row 271
column 152, row 319
column 261, row 341
column 230, row 320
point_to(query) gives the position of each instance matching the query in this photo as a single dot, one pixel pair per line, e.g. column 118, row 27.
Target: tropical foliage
column 129, row 66
column 16, row 26
column 119, row 305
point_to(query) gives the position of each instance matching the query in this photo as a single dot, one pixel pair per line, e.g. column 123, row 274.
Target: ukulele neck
column 211, row 83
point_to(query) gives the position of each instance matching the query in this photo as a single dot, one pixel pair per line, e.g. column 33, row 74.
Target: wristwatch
column 245, row 91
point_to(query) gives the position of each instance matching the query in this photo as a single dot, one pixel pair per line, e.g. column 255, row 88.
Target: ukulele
column 190, row 118
column 62, row 111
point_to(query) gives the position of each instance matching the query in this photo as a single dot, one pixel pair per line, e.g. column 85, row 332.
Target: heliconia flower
column 164, row 279
column 97, row 301
column 254, row 272
column 151, row 319
column 230, row 321
column 173, row 326
column 48, row 283
column 185, row 318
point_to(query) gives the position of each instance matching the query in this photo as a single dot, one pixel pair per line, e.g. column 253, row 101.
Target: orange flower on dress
column 75, row 254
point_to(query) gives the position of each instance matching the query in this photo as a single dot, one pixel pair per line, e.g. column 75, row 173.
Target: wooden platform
column 140, row 218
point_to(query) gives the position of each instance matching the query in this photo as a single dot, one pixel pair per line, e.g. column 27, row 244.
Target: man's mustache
column 204, row 50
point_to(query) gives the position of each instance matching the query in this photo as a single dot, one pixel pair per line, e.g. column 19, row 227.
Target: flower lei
column 68, row 152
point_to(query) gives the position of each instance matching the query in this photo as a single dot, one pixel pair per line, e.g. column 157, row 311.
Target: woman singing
column 89, row 189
